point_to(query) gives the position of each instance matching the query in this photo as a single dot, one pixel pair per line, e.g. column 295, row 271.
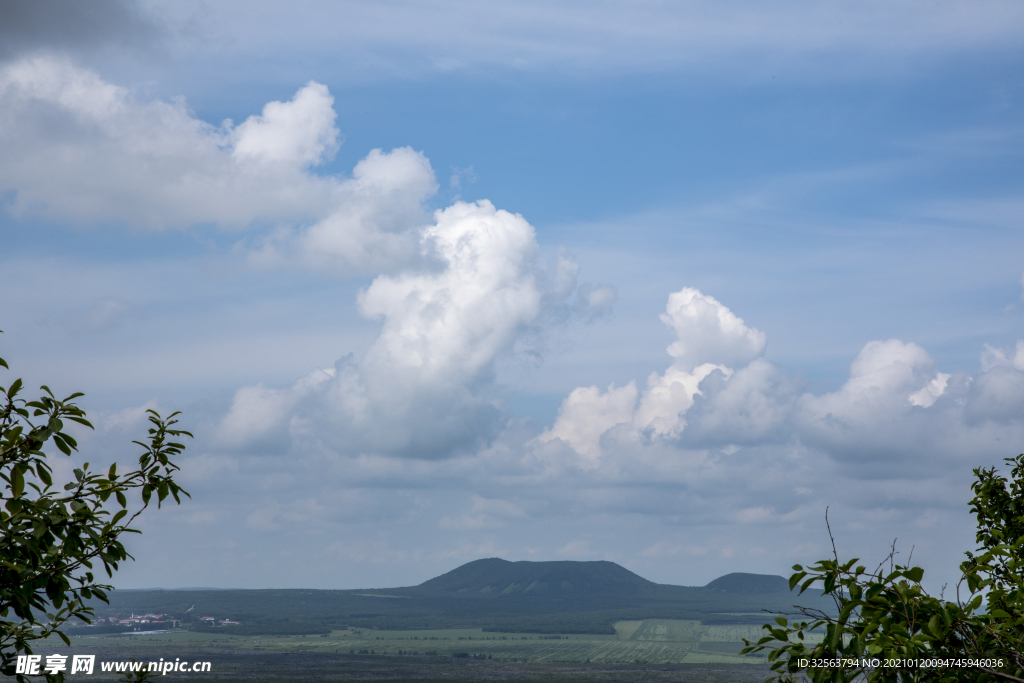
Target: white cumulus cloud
column 296, row 133
column 708, row 332
column 886, row 379
column 419, row 389
column 997, row 393
column 81, row 149
column 587, row 413
column 721, row 393
column 85, row 151
column 709, row 338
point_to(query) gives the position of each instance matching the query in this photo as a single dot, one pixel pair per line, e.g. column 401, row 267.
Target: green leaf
column 934, row 626
column 69, row 440
column 61, row 444
column 915, row 574
column 18, row 481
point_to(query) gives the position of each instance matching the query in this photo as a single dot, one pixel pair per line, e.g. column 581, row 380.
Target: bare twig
column 831, row 537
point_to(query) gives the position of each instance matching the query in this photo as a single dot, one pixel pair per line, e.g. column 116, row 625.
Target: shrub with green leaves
column 53, row 537
column 886, row 627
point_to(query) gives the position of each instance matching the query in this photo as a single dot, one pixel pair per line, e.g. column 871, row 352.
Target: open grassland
column 233, row 666
column 463, row 655
column 651, row 641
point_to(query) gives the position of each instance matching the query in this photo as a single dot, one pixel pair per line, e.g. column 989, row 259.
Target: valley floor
column 651, row 650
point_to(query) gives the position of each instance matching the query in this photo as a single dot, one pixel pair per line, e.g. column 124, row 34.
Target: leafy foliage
column 888, row 628
column 52, row 536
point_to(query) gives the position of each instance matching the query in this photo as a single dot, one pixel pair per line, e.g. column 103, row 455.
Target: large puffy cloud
column 885, row 377
column 374, row 225
column 418, row 391
column 893, row 406
column 587, row 413
column 82, row 150
column 749, row 406
column 719, row 392
column 708, row 332
column 709, row 338
column 997, row 393
column 297, row 133
column 447, row 326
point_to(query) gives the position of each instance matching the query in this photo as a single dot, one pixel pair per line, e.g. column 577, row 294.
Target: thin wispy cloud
column 406, row 38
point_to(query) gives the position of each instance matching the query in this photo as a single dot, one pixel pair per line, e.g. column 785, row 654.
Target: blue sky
column 649, row 282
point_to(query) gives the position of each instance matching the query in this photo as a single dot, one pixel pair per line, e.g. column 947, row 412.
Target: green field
column 651, row 641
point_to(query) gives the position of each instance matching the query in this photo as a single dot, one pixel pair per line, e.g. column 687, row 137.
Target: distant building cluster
column 153, row 620
column 156, row 622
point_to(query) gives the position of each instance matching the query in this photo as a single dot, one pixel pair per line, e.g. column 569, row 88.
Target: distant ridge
column 492, row 594
column 749, row 584
column 494, row 576
column 186, row 588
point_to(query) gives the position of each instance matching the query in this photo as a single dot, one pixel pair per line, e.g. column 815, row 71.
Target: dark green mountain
column 493, row 594
column 750, row 584
column 495, row 576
